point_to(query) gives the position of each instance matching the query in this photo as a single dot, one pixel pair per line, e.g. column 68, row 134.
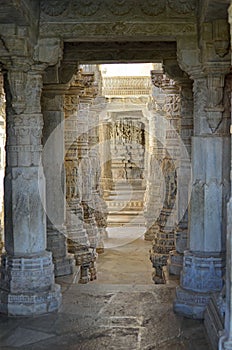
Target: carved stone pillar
column 155, row 185
column 225, row 342
column 85, row 171
column 164, row 240
column 105, row 154
column 78, row 242
column 53, row 160
column 27, row 271
column 204, row 262
column 100, row 207
column 154, row 190
column 175, row 261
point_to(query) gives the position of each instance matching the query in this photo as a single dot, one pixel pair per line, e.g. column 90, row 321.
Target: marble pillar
column 27, row 271
column 225, row 341
column 78, row 242
column 155, row 188
column 100, row 207
column 164, row 227
column 86, row 180
column 105, row 126
column 53, row 161
column 175, row 260
column 204, row 262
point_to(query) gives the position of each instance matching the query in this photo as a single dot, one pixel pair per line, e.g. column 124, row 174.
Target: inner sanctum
column 115, row 174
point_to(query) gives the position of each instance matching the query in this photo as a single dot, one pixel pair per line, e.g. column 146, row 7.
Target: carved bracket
column 49, row 51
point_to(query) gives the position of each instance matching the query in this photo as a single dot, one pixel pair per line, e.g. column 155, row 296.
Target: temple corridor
column 115, row 174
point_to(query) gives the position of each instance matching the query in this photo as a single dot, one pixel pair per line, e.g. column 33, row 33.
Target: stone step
column 119, row 220
column 119, row 206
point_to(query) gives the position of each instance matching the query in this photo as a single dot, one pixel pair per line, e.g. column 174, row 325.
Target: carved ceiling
column 102, row 31
column 106, row 19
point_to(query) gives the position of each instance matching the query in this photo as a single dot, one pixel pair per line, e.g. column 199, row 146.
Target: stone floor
column 126, row 257
column 108, row 313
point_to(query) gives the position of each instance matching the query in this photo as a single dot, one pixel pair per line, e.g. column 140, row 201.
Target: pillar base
column 158, row 262
column 191, row 304
column 227, row 345
column 175, row 263
column 64, row 266
column 201, row 276
column 56, row 243
column 30, row 305
column 27, row 285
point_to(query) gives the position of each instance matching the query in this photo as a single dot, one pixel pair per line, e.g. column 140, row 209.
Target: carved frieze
column 124, row 86
column 73, row 30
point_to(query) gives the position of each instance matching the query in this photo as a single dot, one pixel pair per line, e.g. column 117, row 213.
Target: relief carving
column 86, row 7
column 172, row 105
column 24, row 125
column 54, row 7
column 182, row 6
column 200, row 99
column 133, row 29
column 153, row 8
column 214, row 107
column 120, row 7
